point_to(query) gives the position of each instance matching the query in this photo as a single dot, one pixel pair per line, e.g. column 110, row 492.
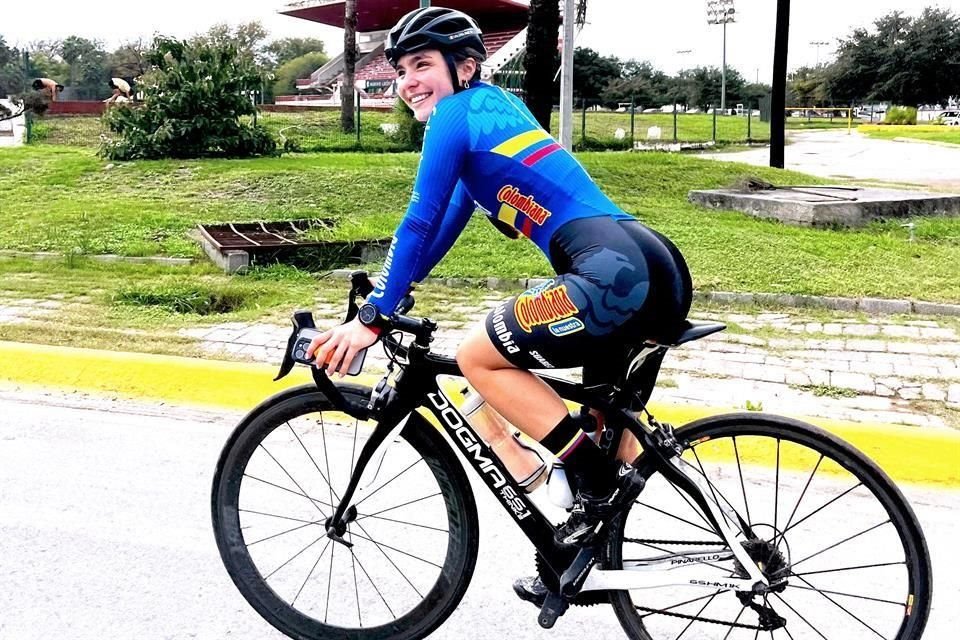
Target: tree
column 903, row 60
column 127, row 61
column 349, row 65
column 642, row 84
column 87, row 60
column 702, row 86
column 283, row 50
column 592, row 73
column 194, row 97
column 541, row 61
column 246, row 38
column 285, row 77
column 808, row 87
column 11, row 71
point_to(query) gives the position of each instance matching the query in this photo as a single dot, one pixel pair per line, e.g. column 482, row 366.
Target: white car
column 950, row 118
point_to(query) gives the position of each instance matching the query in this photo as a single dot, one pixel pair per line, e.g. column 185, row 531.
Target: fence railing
column 379, row 130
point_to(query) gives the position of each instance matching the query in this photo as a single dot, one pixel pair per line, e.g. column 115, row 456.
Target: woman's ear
column 467, row 69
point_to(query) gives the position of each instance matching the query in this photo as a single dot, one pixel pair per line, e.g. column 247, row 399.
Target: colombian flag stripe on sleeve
column 518, row 143
column 539, row 155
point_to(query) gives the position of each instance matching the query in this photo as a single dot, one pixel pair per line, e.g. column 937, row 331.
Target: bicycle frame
column 417, row 387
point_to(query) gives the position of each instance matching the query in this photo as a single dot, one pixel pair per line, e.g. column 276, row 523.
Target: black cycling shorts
column 617, row 283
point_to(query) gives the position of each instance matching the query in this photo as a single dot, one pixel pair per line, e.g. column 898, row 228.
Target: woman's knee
column 477, row 353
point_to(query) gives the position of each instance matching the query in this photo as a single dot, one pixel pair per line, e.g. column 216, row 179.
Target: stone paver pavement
column 874, row 369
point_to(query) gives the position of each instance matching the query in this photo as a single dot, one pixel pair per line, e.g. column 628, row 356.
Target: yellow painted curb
column 908, row 454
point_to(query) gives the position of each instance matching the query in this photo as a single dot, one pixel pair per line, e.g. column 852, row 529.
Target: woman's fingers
column 319, row 341
column 334, row 364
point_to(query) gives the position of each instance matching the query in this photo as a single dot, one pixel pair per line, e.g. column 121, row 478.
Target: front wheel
column 414, row 535
column 828, row 525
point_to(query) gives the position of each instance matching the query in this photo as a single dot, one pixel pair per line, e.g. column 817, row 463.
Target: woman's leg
column 518, row 395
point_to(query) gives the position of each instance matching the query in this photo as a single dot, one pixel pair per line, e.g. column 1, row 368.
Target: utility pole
column 722, row 12
column 778, row 101
column 566, row 77
column 424, row 4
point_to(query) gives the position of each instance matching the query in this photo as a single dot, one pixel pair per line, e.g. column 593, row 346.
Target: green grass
column 934, row 133
column 66, row 200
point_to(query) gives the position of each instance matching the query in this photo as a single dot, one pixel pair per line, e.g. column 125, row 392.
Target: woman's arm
column 412, row 252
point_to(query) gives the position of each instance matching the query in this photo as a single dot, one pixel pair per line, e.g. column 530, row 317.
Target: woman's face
column 423, row 80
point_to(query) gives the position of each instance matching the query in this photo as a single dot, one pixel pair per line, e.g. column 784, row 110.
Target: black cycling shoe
column 589, row 511
column 531, row 589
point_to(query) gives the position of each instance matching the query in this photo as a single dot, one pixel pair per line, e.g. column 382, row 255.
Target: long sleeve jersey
column 483, row 149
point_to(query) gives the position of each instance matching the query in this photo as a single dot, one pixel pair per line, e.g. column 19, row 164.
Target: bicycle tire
column 268, row 433
column 867, row 513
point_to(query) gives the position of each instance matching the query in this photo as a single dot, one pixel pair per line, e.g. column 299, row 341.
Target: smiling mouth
column 417, row 99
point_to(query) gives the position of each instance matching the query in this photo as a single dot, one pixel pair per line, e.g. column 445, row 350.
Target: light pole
column 818, row 44
column 722, row 12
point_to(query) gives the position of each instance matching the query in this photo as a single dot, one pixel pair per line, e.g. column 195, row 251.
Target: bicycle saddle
column 687, row 331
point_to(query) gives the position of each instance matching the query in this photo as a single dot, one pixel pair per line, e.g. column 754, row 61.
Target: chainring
column 583, row 599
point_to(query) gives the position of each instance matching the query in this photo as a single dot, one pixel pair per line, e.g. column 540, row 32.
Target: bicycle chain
column 677, row 542
column 725, row 623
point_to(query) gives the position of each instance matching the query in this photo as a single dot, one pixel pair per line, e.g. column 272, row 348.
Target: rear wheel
column 414, row 536
column 826, row 519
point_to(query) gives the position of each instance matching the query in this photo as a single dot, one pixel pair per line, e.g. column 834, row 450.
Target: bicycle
column 749, row 523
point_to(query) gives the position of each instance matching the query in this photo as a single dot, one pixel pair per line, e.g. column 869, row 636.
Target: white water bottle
column 558, row 487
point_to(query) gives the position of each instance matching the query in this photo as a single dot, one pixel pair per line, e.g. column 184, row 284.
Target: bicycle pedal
column 553, row 607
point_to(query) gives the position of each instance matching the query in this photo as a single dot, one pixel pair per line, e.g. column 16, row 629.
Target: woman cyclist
column 617, row 281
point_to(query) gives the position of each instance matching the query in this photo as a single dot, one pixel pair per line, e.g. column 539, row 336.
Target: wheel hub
column 770, row 559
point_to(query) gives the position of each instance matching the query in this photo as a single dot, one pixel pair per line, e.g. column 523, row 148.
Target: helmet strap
column 454, row 76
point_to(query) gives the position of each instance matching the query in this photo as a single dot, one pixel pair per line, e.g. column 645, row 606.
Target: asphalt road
column 105, row 533
column 834, row 153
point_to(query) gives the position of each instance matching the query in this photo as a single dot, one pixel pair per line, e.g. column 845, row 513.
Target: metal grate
column 263, row 236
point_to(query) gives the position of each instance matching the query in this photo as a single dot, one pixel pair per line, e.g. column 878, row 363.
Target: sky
column 639, row 29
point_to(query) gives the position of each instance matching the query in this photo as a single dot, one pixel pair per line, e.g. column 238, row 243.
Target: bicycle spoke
column 269, row 575
column 369, row 495
column 837, row 544
column 676, row 517
column 799, row 615
column 674, row 606
column 389, row 559
column 326, row 610
column 862, row 566
column 735, row 621
column 282, row 533
column 842, row 593
column 822, row 507
column 372, row 584
column 712, row 489
column 376, row 513
column 705, row 605
column 276, row 515
column 356, row 584
column 850, row 613
column 743, row 486
column 412, row 524
column 287, row 489
column 326, row 459
column 326, row 478
column 310, row 573
column 292, row 480
column 776, row 489
column 409, row 555
column 803, row 493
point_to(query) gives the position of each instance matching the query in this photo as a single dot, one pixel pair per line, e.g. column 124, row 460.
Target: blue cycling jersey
column 484, row 149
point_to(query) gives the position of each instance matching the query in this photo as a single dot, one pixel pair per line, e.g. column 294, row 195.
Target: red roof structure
column 377, row 15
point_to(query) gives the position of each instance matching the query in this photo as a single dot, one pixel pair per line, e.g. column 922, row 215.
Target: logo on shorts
column 566, row 327
column 511, row 196
column 543, row 307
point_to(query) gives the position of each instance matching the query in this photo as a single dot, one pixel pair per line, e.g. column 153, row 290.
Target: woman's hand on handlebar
column 335, row 349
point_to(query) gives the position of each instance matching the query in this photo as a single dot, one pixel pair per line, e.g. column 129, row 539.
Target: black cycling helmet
column 447, row 30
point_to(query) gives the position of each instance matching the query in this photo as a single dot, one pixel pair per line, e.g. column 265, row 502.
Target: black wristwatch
column 369, row 316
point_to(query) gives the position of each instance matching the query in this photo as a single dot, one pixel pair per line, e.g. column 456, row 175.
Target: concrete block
column 953, row 394
column 866, row 345
column 897, row 331
column 881, row 306
column 857, row 381
column 933, row 391
column 936, row 309
column 910, row 393
column 861, row 330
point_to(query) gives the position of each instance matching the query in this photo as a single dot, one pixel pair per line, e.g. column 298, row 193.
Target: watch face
column 368, row 314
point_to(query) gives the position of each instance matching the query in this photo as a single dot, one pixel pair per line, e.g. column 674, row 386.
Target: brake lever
column 301, row 320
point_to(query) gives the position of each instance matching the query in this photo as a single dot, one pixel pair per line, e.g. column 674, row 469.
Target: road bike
column 342, row 511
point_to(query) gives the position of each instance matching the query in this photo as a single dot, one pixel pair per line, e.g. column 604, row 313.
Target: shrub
column 411, row 130
column 901, row 115
column 194, row 98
